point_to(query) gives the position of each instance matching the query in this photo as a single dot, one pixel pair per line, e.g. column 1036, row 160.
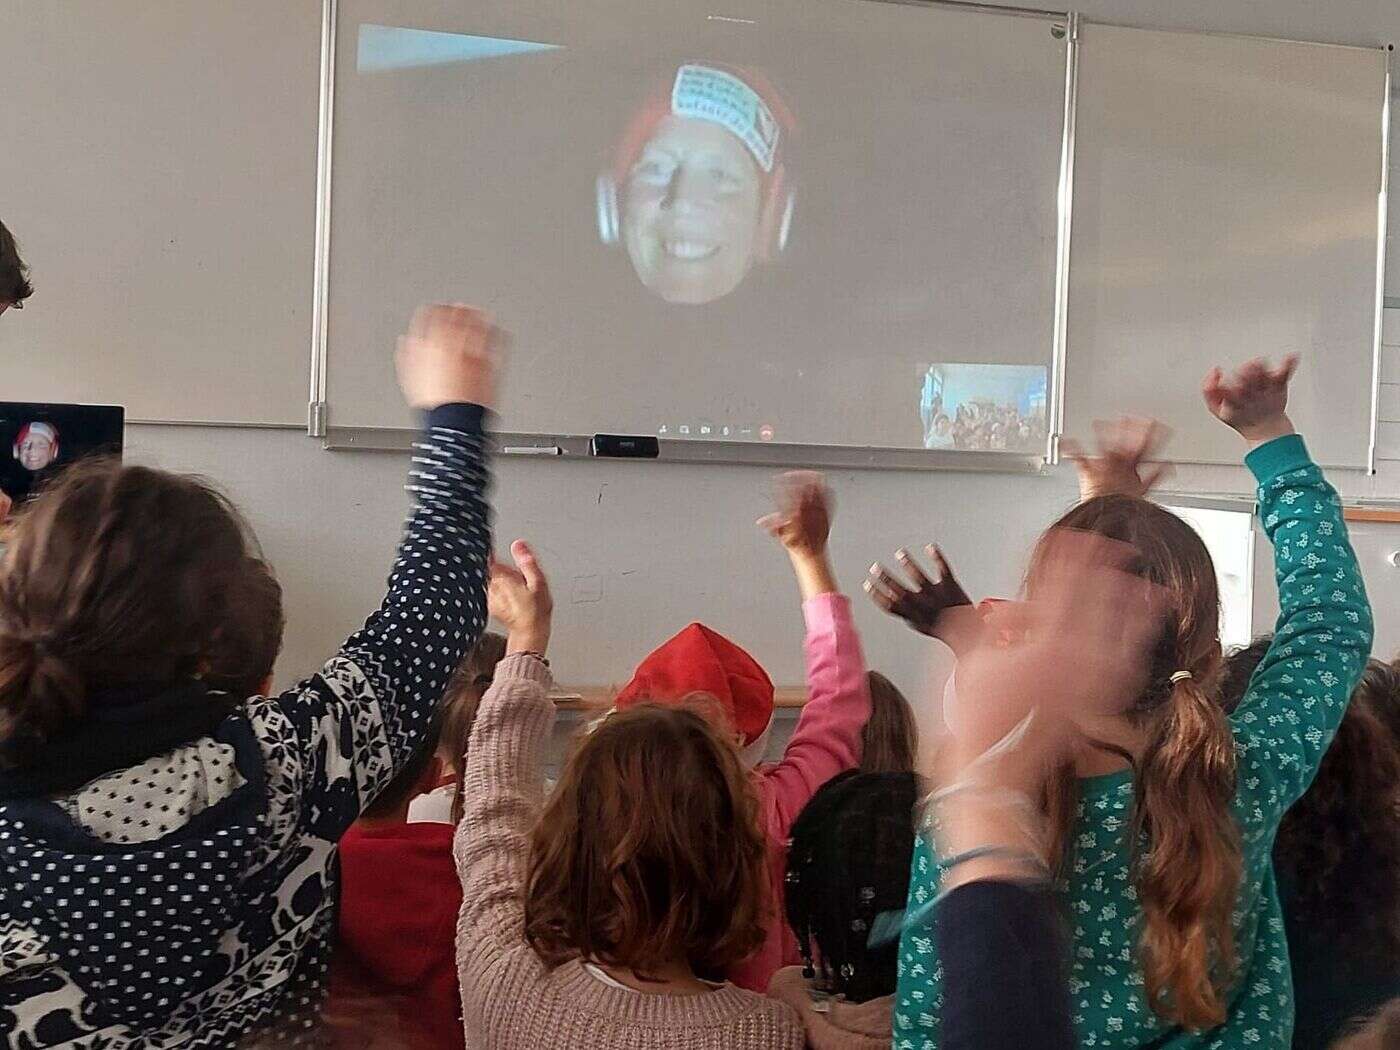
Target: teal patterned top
column 1282, row 727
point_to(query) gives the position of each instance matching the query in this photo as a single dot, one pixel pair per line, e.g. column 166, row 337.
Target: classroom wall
column 660, row 545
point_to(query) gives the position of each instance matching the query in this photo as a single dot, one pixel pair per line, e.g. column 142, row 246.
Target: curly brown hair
column 14, row 275
column 1340, row 842
column 649, row 850
column 1188, row 867
column 114, row 577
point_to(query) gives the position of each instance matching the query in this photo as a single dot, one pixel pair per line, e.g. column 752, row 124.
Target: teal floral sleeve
column 1297, row 697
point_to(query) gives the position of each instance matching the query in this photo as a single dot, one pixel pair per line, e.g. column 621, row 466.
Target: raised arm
column 1299, row 693
column 503, row 784
column 827, row 740
column 360, row 719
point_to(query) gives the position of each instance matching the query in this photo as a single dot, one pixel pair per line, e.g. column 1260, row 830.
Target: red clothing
column 399, row 900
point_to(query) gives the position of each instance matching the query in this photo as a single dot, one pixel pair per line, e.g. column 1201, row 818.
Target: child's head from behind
column 890, row 739
column 116, row 576
column 700, row 662
column 848, row 865
column 649, row 852
column 448, row 736
column 1184, row 773
column 459, row 705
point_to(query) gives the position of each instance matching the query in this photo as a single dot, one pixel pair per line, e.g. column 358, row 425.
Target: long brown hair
column 890, row 739
column 459, row 706
column 115, row 576
column 1340, row 843
column 649, row 849
column 1187, row 860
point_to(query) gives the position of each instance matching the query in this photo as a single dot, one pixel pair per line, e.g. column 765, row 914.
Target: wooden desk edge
column 1373, row 514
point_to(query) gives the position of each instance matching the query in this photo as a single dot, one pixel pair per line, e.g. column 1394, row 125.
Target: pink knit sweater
column 826, row 742
column 510, row 999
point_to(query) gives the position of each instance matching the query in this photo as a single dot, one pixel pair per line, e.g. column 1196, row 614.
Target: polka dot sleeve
column 357, row 722
column 1299, row 693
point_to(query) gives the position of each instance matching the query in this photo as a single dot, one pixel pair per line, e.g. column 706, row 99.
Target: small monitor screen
column 38, row 440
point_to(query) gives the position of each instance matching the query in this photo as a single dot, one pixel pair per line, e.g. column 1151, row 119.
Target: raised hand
column 518, row 597
column 1119, row 466
column 450, row 355
column 802, row 522
column 1253, row 399
column 921, row 603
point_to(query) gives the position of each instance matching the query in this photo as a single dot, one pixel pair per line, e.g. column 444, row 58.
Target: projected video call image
column 711, row 238
column 984, row 408
column 697, row 192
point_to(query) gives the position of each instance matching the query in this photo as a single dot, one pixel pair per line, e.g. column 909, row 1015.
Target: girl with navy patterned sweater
column 167, row 851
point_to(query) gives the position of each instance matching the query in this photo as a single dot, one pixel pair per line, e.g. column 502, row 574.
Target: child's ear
column 266, row 688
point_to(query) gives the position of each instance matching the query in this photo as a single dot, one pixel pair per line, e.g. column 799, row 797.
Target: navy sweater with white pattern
column 215, row 923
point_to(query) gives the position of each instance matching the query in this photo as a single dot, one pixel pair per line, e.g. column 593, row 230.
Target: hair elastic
column 1181, row 676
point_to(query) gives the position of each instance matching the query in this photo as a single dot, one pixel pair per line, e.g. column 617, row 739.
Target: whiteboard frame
column 1059, row 362
column 1382, row 221
column 1388, row 49
column 835, row 456
column 574, row 446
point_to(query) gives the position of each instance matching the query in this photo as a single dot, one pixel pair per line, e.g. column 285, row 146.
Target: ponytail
column 39, row 695
column 1188, row 866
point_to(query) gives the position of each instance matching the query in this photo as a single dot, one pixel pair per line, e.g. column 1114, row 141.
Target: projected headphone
column 765, row 137
column 45, row 430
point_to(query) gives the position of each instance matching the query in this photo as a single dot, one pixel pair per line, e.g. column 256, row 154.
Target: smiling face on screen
column 691, row 210
column 36, row 451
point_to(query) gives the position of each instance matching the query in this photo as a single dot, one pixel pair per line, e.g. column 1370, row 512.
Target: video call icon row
column 723, row 432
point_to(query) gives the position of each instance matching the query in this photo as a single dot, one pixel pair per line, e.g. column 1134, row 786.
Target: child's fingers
column 879, row 596
column 530, row 570
column 1152, row 477
column 914, row 569
column 1073, row 451
column 1211, row 388
column 883, row 578
column 941, row 571
column 1286, row 368
column 772, row 523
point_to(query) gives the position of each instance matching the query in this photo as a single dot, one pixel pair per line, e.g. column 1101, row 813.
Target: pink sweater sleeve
column 827, row 739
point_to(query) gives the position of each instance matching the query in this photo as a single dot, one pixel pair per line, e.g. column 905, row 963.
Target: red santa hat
column 699, row 660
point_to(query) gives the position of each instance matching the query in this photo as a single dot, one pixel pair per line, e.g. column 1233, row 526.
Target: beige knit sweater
column 836, row 1025
column 510, row 999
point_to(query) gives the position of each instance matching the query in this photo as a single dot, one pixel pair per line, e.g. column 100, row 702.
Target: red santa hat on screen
column 699, row 660
column 743, row 102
